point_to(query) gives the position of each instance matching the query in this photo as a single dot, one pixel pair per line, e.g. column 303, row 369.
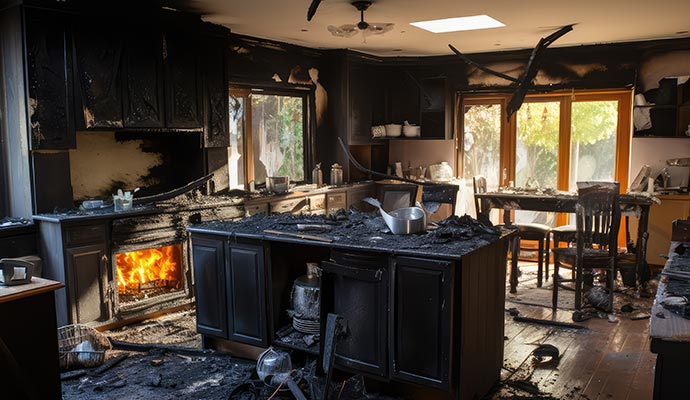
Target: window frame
column 245, row 90
column 566, row 98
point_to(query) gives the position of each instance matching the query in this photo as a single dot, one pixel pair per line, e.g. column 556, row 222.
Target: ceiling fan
column 367, row 28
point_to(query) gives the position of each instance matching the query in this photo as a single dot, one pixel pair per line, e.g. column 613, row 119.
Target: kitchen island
column 426, row 309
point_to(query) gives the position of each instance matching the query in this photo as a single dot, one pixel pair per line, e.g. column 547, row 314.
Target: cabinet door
column 216, row 115
column 208, row 259
column 660, row 222
column 182, row 86
column 143, row 78
column 246, row 290
column 358, row 291
column 50, row 80
column 98, row 55
column 420, row 321
column 86, row 267
column 360, row 103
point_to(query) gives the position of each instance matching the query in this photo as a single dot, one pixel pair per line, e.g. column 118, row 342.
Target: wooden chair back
column 479, row 183
column 598, row 215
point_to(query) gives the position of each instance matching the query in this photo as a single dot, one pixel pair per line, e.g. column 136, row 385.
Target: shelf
column 294, row 340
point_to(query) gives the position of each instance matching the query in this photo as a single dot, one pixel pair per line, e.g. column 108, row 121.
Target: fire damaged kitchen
column 337, row 199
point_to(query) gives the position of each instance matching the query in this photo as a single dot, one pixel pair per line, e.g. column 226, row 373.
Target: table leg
column 515, row 252
column 642, row 267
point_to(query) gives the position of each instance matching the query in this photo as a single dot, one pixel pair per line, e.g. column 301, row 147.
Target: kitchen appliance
column 402, row 221
column 676, row 174
column 441, row 172
column 15, row 271
column 336, row 174
column 277, row 184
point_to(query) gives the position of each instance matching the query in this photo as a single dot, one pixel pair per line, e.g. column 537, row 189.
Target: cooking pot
column 402, row 221
column 305, row 294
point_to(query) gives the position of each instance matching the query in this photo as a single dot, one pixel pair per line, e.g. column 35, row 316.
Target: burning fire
column 157, row 266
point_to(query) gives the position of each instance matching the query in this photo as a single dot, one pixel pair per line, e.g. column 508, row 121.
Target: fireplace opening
column 148, row 273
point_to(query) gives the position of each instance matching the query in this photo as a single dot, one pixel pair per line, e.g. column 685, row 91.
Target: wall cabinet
column 51, row 102
column 182, row 79
column 668, row 112
column 98, row 55
column 215, row 91
column 142, row 80
column 661, row 217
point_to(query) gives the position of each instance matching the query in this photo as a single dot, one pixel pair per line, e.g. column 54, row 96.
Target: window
column 268, row 135
column 552, row 141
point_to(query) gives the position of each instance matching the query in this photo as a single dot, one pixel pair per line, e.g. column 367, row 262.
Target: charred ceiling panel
column 105, row 161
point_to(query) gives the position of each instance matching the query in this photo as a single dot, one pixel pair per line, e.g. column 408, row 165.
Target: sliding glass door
column 551, row 142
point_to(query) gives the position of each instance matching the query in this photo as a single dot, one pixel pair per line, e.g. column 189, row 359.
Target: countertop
column 36, row 286
column 454, row 238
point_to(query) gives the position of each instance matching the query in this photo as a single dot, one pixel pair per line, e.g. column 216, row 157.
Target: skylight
column 458, row 24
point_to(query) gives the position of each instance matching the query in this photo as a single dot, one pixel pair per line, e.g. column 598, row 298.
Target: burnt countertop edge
column 199, row 228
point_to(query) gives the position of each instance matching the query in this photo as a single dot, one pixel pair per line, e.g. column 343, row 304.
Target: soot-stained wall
column 106, row 161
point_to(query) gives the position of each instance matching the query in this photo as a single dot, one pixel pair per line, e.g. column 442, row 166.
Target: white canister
column 393, row 130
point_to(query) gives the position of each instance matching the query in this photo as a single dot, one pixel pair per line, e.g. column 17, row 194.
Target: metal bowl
column 278, row 184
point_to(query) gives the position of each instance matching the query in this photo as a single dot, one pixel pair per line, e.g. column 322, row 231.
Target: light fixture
column 458, row 24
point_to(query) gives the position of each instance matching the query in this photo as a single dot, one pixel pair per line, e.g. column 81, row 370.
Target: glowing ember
column 158, row 266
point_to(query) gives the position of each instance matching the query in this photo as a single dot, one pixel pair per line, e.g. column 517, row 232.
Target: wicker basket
column 81, row 346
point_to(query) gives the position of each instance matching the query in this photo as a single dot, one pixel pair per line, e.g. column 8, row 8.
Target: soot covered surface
column 453, row 238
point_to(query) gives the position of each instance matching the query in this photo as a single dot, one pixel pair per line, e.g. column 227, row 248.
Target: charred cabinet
column 230, row 287
column 143, row 105
column 98, row 57
column 215, row 91
column 420, row 321
column 209, row 285
column 356, row 287
column 182, row 79
column 51, row 103
column 398, row 315
column 245, row 282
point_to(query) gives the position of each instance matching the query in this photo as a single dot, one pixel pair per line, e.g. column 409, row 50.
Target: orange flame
column 150, row 265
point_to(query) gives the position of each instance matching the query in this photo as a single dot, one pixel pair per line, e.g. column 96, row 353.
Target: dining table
column 635, row 204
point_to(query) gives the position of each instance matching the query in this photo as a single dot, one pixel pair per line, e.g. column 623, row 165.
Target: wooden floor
column 610, row 360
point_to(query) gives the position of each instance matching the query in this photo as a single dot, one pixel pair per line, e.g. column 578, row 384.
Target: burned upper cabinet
column 215, row 91
column 98, row 55
column 48, row 45
column 143, row 77
column 183, row 105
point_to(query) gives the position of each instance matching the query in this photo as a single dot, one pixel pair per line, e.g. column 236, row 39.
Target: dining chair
column 597, row 221
column 397, row 195
column 525, row 230
column 433, row 196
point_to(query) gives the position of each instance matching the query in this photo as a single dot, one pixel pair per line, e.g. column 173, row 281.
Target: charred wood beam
column 532, row 69
column 481, row 67
column 525, row 81
column 173, row 193
column 312, row 9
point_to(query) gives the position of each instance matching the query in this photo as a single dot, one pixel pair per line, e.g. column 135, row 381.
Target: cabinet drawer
column 85, row 234
column 288, row 205
column 317, row 203
column 336, row 201
column 252, row 209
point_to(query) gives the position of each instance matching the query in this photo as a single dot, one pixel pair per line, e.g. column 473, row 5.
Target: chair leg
column 540, row 256
column 554, row 300
column 547, row 256
column 514, row 264
column 578, row 286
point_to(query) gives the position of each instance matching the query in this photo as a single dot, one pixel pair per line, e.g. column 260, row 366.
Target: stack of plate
column 306, row 326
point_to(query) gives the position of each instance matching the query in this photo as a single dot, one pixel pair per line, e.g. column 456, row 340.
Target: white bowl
column 411, row 130
column 393, row 130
